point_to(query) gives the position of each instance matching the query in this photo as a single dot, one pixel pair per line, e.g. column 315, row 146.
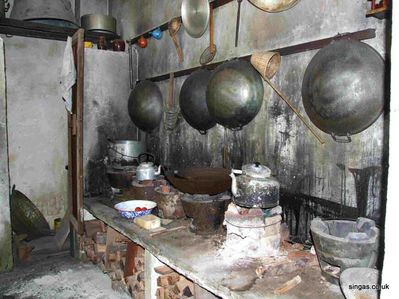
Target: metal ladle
column 174, row 27
column 210, row 52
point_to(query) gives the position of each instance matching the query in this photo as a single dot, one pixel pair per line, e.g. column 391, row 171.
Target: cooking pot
column 274, row 5
column 193, row 101
column 234, row 94
column 120, row 151
column 99, row 23
column 343, row 88
column 255, row 188
column 51, row 12
column 145, row 106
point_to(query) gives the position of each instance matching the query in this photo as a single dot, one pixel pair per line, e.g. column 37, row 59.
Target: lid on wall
column 51, row 12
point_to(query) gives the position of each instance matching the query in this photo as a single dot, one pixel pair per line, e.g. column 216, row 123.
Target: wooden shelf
column 37, row 30
column 164, row 26
column 299, row 48
column 379, row 13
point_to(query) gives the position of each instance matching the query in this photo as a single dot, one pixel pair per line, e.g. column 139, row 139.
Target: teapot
column 254, row 187
column 146, row 170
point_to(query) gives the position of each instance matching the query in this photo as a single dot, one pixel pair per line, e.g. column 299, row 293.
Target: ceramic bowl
column 127, row 208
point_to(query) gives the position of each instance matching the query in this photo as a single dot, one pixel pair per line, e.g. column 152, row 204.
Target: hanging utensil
column 171, row 112
column 195, row 16
column 210, row 52
column 174, row 27
column 238, row 21
column 267, row 64
column 274, row 5
column 343, row 88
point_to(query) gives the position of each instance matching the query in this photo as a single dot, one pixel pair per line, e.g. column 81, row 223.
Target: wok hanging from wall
column 235, row 94
column 145, row 106
column 343, row 88
column 193, row 101
column 274, row 5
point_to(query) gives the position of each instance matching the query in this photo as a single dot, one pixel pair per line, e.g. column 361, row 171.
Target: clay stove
column 206, row 212
column 253, row 232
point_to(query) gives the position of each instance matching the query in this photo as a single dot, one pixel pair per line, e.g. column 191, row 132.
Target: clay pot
column 118, row 45
column 142, row 42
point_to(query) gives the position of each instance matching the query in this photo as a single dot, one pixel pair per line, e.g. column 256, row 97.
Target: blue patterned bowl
column 127, row 208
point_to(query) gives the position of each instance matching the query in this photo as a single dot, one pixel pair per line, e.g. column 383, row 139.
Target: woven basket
column 266, row 63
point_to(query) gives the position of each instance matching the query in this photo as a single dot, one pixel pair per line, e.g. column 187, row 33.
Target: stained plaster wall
column 5, row 224
column 275, row 137
column 37, row 123
column 106, row 91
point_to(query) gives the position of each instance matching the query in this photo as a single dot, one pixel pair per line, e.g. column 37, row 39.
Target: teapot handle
column 147, row 155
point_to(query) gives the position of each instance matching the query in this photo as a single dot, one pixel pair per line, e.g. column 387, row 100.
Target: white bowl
column 127, row 208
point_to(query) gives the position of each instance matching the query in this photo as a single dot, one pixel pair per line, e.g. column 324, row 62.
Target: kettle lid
column 256, row 170
column 145, row 165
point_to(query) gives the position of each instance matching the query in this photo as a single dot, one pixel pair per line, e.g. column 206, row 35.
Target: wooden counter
column 200, row 259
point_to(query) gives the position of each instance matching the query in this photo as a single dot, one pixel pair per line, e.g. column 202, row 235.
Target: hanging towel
column 68, row 75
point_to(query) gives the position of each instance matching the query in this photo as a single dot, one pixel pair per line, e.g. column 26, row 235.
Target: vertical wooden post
column 75, row 144
column 6, row 262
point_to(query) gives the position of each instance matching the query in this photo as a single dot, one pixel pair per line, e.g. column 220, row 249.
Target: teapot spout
column 158, row 172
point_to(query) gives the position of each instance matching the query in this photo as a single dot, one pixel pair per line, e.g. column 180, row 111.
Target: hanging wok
column 234, row 94
column 193, row 101
column 195, row 16
column 145, row 106
column 343, row 88
column 274, row 5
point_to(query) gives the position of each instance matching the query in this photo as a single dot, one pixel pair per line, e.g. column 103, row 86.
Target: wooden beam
column 299, row 48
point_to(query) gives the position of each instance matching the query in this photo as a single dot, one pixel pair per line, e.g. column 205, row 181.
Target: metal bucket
column 124, row 151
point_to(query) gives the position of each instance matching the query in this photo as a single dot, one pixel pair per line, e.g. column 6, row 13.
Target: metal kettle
column 255, row 188
column 146, row 170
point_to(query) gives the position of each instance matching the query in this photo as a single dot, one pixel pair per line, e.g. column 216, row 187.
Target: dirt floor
column 56, row 276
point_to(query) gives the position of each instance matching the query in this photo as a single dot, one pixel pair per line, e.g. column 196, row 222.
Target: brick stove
column 252, row 232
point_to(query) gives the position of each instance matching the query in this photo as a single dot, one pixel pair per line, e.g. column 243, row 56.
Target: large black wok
column 193, row 101
column 343, row 87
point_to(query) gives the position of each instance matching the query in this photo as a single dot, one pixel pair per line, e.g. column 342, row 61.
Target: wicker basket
column 266, row 63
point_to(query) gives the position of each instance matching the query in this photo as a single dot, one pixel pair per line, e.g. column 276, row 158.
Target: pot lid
column 195, row 16
column 256, row 170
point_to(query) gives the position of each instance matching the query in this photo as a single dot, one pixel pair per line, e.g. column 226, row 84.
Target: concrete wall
column 275, row 137
column 106, row 94
column 37, row 123
column 5, row 224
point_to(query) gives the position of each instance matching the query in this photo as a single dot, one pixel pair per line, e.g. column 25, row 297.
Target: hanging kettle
column 255, row 188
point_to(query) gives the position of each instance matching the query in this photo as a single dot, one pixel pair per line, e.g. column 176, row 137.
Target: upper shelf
column 37, row 30
column 164, row 26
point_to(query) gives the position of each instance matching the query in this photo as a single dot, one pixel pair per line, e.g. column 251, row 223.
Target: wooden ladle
column 174, row 27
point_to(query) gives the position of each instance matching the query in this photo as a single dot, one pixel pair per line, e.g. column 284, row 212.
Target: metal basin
column 342, row 244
